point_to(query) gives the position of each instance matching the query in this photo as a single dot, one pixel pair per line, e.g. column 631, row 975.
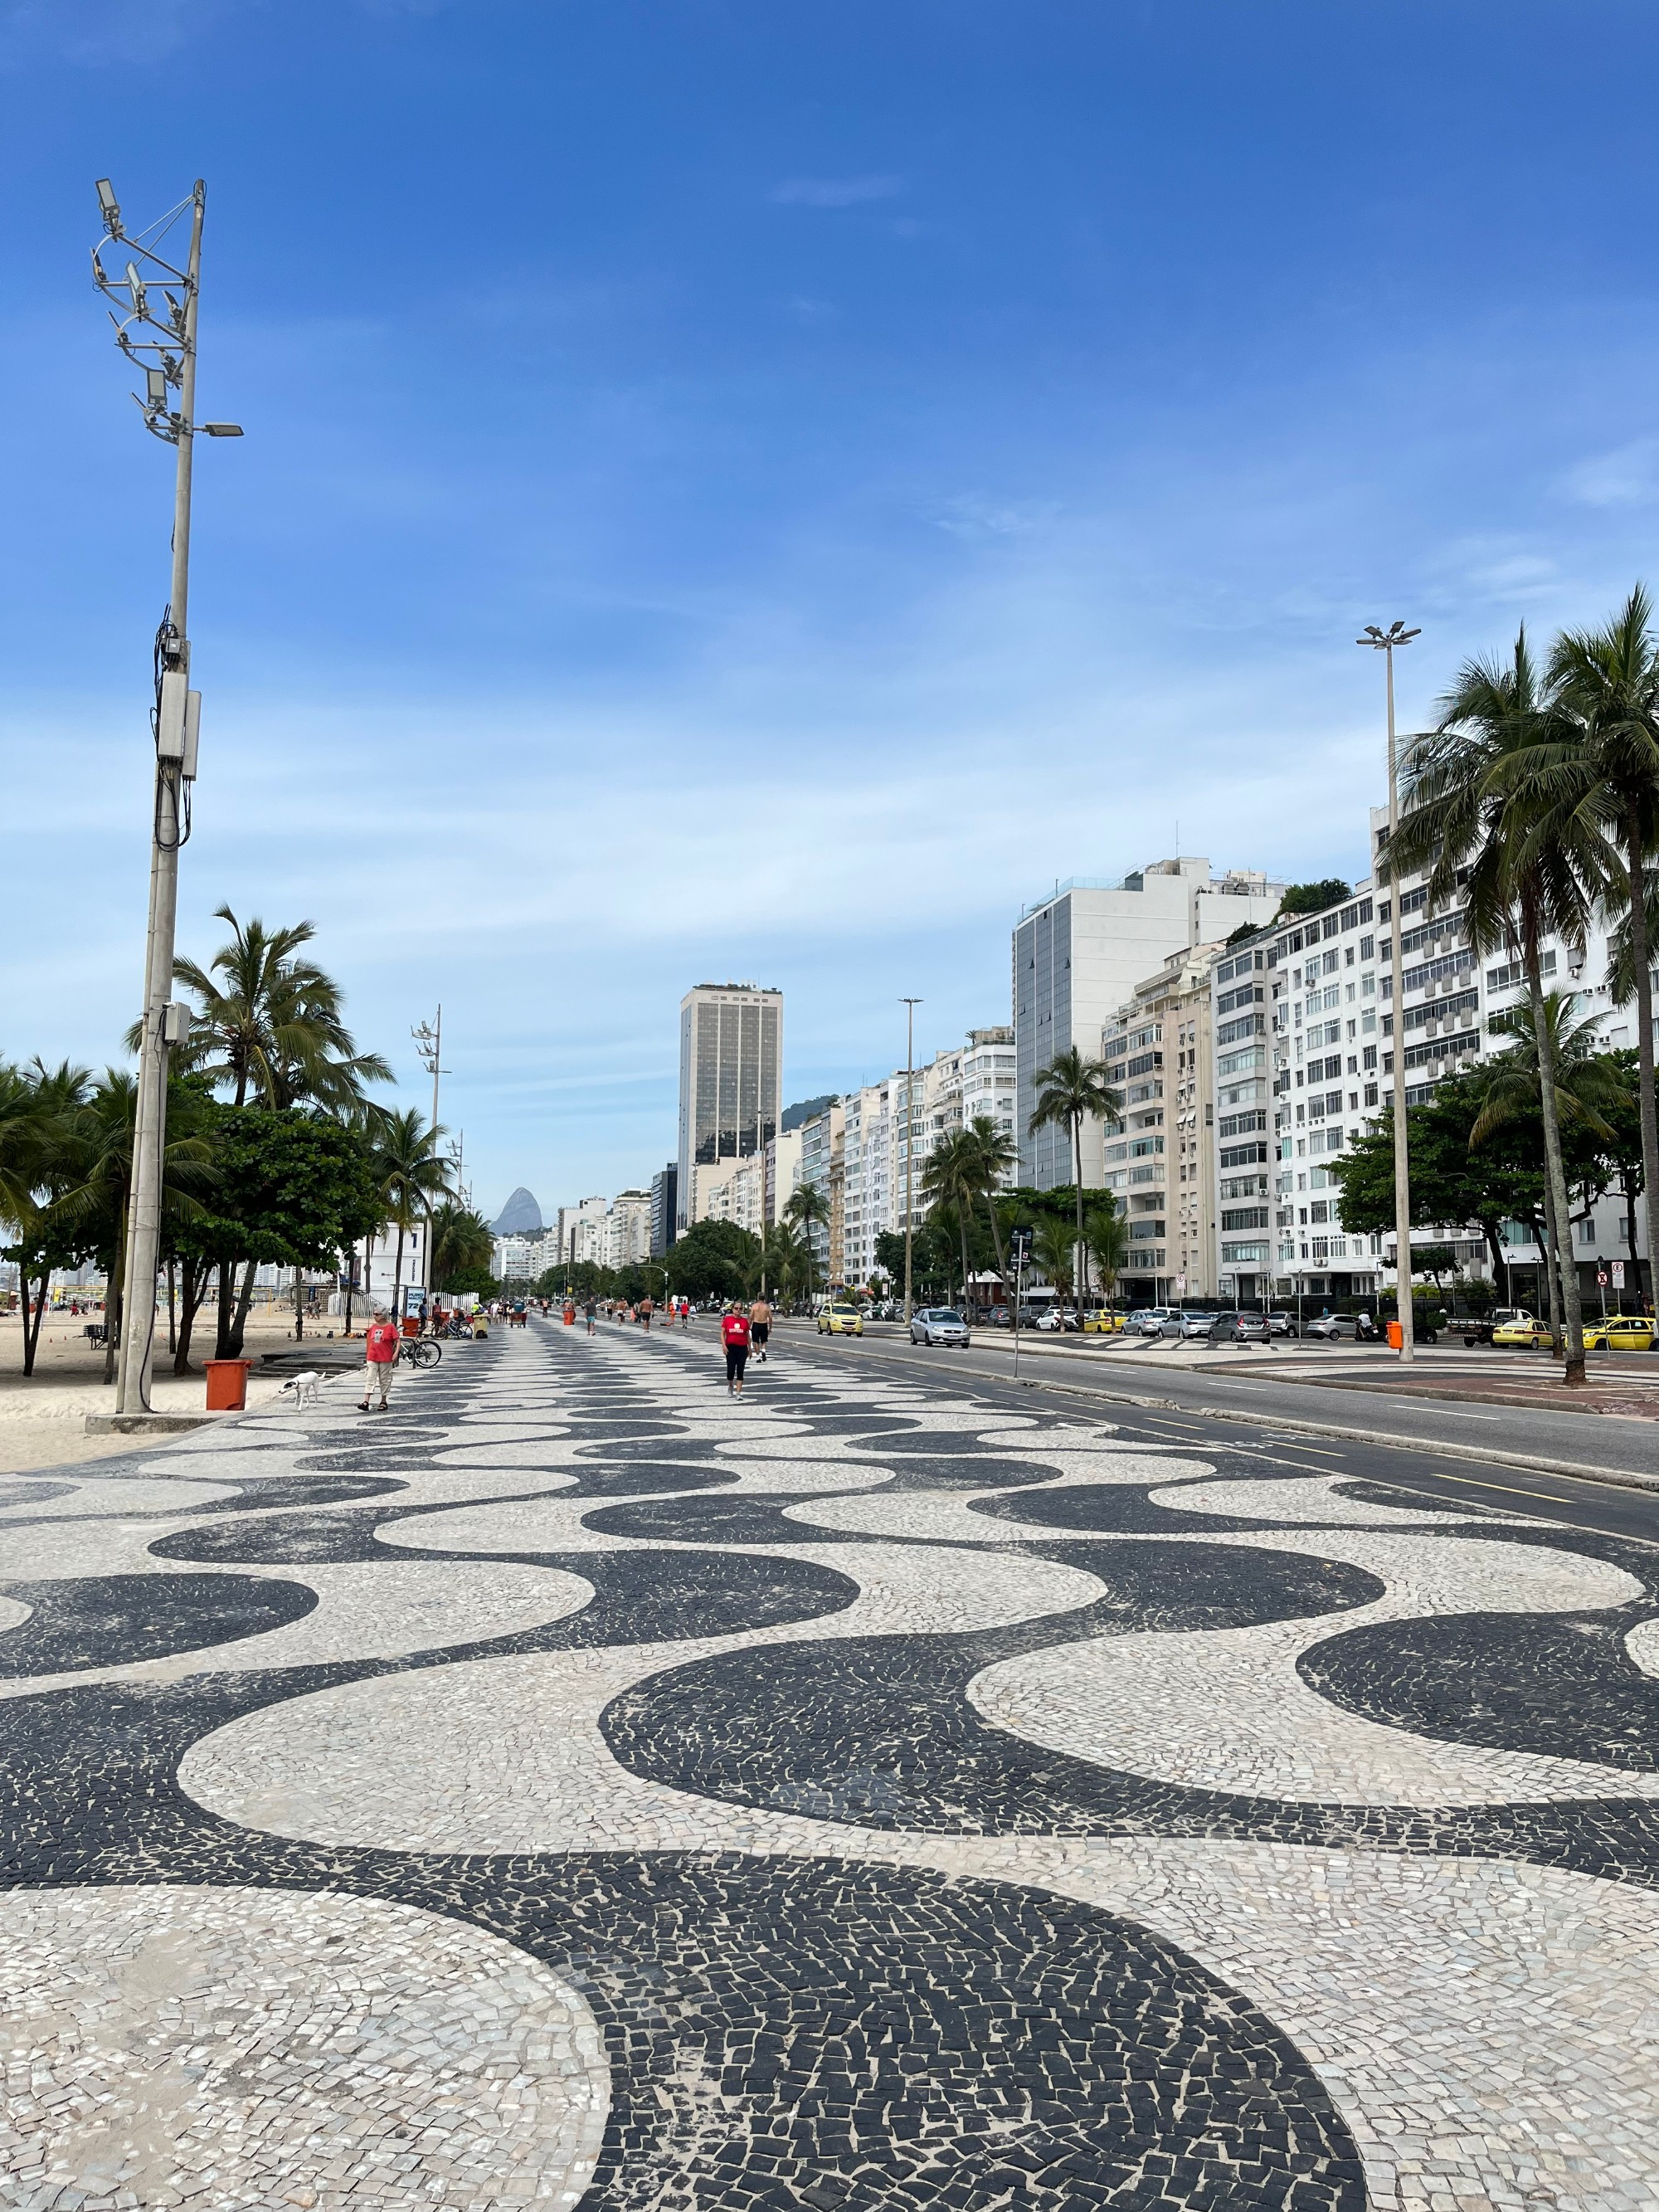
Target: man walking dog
column 380, row 1356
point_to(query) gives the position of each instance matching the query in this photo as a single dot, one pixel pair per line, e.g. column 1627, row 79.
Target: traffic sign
column 1618, row 1274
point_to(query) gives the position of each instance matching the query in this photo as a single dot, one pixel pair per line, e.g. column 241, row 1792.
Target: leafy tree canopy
column 1313, row 898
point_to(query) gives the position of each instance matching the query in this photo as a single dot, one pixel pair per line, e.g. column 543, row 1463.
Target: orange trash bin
column 1396, row 1336
column 226, row 1385
column 570, row 1317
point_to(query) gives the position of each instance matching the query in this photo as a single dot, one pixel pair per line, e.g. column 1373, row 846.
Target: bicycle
column 420, row 1351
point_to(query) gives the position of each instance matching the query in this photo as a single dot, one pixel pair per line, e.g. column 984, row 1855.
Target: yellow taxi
column 1525, row 1330
column 840, row 1321
column 1620, row 1332
column 1102, row 1324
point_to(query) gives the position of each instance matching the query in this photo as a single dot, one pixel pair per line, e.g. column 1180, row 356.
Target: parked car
column 1343, row 1329
column 999, row 1317
column 1188, row 1326
column 1102, row 1323
column 1480, row 1329
column 1620, row 1332
column 939, row 1325
column 1055, row 1320
column 1281, row 1324
column 840, row 1321
column 1239, row 1328
column 1153, row 1321
column 1526, row 1330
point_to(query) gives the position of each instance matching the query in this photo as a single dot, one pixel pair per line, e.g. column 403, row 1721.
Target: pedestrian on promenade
column 734, row 1335
column 380, row 1357
column 593, row 1311
column 648, row 1307
column 760, row 1327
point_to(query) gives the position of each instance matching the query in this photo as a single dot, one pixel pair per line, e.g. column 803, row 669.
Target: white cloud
column 834, row 191
column 1627, row 477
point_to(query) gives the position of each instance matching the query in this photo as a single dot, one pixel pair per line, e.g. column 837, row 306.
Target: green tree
column 463, row 1245
column 411, row 1171
column 714, row 1260
column 1312, row 898
column 1605, row 684
column 1054, row 1249
column 1483, row 807
column 807, row 1208
column 37, row 1108
column 295, row 1188
column 1106, row 1232
column 994, row 1153
column 952, row 1182
column 1071, row 1091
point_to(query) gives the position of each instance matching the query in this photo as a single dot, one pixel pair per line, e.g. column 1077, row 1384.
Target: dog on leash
column 304, row 1387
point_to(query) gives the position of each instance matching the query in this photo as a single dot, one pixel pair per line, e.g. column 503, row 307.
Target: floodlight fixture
column 156, row 382
column 222, row 429
column 109, row 207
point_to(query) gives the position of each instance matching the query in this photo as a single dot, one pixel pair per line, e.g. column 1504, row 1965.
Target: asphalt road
column 1586, row 1438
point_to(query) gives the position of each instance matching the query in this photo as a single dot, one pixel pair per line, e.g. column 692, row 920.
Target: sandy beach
column 43, row 1417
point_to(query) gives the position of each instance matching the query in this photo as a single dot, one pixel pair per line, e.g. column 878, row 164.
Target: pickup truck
column 1479, row 1331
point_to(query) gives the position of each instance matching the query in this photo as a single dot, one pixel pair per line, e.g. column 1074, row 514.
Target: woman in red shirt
column 734, row 1335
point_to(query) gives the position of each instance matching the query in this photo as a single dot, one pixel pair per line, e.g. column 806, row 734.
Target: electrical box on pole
column 192, row 735
column 170, row 722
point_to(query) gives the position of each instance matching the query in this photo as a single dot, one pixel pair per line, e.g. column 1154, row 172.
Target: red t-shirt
column 734, row 1329
column 381, row 1340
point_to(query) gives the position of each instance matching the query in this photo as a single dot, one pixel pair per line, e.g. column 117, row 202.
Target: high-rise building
column 731, row 1064
column 665, row 1191
column 1078, row 955
column 1158, row 1158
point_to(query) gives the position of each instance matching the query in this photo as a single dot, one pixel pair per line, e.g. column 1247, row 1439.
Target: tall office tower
column 730, row 1058
column 1078, row 955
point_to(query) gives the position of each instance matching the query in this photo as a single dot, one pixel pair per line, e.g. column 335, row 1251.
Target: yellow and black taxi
column 841, row 1319
column 1620, row 1332
column 1524, row 1329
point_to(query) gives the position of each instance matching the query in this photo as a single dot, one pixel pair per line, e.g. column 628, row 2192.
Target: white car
column 939, row 1325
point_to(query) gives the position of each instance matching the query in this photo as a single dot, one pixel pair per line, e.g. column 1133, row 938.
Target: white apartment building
column 1157, row 1159
column 868, row 1208
column 823, row 1165
column 522, row 1259
column 582, row 1232
column 628, row 1229
column 1078, row 956
column 737, row 1194
column 782, row 1157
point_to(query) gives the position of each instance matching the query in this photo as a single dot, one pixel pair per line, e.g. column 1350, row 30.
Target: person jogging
column 760, row 1327
column 734, row 1335
column 380, row 1357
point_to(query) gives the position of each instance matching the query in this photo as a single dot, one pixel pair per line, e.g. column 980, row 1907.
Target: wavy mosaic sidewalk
column 579, row 1788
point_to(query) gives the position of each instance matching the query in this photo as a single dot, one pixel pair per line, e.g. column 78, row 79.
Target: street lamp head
column 222, row 429
column 109, row 206
column 1385, row 640
column 156, row 384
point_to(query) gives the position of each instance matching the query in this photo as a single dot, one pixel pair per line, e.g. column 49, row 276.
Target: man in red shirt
column 734, row 1335
column 381, row 1347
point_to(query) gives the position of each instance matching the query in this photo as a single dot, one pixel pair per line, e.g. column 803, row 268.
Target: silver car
column 1189, row 1325
column 939, row 1325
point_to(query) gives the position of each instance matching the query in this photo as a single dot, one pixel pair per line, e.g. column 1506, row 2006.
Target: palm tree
column 781, row 1254
column 1587, row 1089
column 806, row 1209
column 463, row 1242
column 1070, row 1091
column 412, row 1172
column 1487, row 802
column 1107, row 1236
column 995, row 1154
column 951, row 1182
column 1055, row 1253
column 37, row 1109
column 270, row 1024
column 1607, row 685
column 95, row 1167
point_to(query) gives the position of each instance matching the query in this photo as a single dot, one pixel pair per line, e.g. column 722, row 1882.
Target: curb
column 1488, row 1455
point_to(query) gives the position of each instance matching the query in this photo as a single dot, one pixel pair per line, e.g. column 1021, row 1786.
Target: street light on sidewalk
column 909, row 1006
column 1385, row 642
column 153, row 306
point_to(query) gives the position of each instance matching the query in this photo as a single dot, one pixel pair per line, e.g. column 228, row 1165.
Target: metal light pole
column 429, row 1044
column 1385, row 642
column 909, row 1006
column 153, row 308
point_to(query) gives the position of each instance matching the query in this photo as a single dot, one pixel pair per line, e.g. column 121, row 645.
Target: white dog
column 304, row 1387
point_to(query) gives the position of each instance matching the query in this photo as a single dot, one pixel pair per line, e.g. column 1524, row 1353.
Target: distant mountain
column 794, row 1116
column 520, row 1216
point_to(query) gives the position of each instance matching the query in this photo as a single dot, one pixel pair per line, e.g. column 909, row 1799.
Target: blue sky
column 760, row 490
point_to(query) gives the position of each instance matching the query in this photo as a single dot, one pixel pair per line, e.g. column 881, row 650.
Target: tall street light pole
column 1385, row 642
column 153, row 306
column 909, row 1006
column 429, row 1044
